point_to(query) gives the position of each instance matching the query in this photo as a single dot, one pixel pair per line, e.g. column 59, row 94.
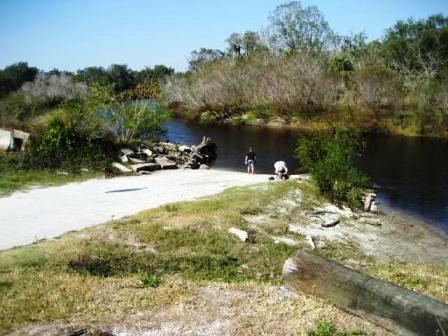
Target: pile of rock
column 164, row 155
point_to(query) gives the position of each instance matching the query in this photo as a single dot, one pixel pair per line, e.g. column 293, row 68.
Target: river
column 413, row 171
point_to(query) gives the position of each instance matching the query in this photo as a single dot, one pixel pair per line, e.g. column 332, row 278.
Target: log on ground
column 388, row 305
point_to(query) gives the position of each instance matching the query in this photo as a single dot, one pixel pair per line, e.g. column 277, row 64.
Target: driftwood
column 204, row 153
column 393, row 307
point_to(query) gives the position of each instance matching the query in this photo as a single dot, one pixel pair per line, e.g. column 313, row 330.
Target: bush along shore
column 300, row 72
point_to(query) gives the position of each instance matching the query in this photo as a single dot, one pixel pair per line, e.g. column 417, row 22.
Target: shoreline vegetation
column 182, row 255
column 312, row 125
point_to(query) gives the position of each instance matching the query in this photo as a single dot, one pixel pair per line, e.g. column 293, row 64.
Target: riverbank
column 400, row 126
column 176, row 269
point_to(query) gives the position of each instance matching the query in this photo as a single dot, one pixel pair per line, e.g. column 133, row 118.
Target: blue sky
column 72, row 34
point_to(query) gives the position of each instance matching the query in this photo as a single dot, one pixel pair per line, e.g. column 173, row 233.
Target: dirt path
column 44, row 213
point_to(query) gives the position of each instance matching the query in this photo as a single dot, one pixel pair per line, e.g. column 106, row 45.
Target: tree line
column 27, row 92
column 79, row 119
column 299, row 69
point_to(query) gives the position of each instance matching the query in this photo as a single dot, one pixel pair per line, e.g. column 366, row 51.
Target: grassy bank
column 13, row 176
column 168, row 257
column 13, row 180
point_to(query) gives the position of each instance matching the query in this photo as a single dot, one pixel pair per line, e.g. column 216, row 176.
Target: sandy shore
column 44, row 213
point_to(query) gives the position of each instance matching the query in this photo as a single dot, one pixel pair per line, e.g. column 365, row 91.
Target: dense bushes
column 62, row 145
column 300, row 69
column 297, row 85
column 329, row 158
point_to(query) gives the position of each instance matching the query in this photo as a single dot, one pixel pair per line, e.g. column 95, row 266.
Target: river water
column 413, row 171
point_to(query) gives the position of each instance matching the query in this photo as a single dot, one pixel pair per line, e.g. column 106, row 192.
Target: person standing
column 249, row 161
column 281, row 170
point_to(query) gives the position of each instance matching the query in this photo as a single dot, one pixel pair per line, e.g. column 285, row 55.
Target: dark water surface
column 413, row 170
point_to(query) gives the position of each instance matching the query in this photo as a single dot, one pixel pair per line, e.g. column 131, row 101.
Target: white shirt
column 279, row 166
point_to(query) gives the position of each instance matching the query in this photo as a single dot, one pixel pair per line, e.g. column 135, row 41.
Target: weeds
column 326, row 328
column 426, row 279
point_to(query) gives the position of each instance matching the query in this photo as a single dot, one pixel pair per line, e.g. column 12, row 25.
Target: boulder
column 13, row 140
column 184, row 149
column 124, row 159
column 329, row 220
column 121, row 168
column 321, row 245
column 333, row 209
column 135, row 160
column 145, row 167
column 285, row 240
column 166, row 163
column 126, row 151
column 159, row 150
column 242, row 235
column 310, row 242
column 204, row 166
column 148, row 152
column 168, row 146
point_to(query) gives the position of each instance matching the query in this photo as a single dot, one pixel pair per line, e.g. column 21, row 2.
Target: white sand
column 41, row 213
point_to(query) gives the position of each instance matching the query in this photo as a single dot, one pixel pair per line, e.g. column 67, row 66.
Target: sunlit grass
column 15, row 179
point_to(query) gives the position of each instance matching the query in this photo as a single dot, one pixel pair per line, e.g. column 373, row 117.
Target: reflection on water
column 414, row 169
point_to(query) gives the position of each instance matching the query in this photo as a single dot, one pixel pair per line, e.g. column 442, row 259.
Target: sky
column 73, row 34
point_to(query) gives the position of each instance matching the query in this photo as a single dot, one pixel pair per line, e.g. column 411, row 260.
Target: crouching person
column 281, row 170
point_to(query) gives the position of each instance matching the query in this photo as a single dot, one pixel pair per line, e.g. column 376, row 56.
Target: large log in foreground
column 381, row 302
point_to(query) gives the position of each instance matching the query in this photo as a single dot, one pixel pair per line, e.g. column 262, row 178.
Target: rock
column 204, row 166
column 126, row 151
column 329, row 220
column 148, row 152
column 135, row 160
column 168, row 146
column 63, row 173
column 13, row 140
column 177, row 157
column 310, row 242
column 184, row 149
column 166, row 163
column 371, row 221
column 121, row 168
column 148, row 167
column 285, row 240
column 333, row 209
column 243, row 235
column 84, row 170
column 124, row 159
column 159, row 150
column 321, row 245
column 294, row 229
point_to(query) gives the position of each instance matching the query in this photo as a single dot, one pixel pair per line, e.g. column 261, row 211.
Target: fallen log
column 390, row 306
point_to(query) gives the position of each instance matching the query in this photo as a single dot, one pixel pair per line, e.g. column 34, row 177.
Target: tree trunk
column 381, row 302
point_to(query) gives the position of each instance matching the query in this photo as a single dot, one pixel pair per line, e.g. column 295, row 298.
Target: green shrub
column 149, row 280
column 329, row 158
column 62, row 145
column 207, row 118
column 237, row 121
column 326, row 328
